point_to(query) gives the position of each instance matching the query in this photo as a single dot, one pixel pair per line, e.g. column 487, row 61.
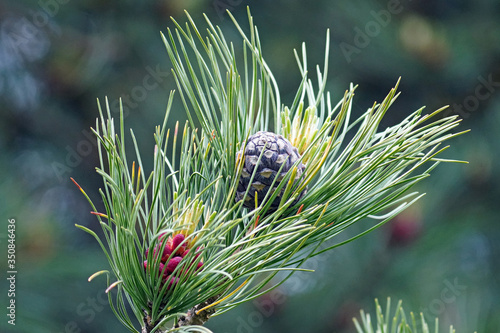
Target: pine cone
column 278, row 151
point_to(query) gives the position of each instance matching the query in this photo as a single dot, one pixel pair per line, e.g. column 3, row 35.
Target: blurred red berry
column 170, row 259
column 172, row 264
column 161, row 266
column 170, row 280
column 404, row 229
column 166, row 253
column 198, row 251
column 176, row 241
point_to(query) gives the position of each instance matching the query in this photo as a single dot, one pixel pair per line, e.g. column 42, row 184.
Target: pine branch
column 190, row 241
column 196, row 317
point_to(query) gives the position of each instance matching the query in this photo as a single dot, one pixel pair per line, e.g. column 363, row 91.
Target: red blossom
column 173, row 263
column 170, row 260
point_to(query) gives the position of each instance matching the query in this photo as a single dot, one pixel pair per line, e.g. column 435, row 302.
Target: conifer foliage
column 259, row 187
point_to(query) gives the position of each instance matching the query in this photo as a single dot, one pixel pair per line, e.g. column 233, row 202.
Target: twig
column 194, row 318
column 191, row 318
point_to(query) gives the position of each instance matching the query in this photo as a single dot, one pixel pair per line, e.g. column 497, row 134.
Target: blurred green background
column 441, row 257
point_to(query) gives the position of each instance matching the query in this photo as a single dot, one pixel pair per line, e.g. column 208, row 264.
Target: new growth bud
column 175, row 253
